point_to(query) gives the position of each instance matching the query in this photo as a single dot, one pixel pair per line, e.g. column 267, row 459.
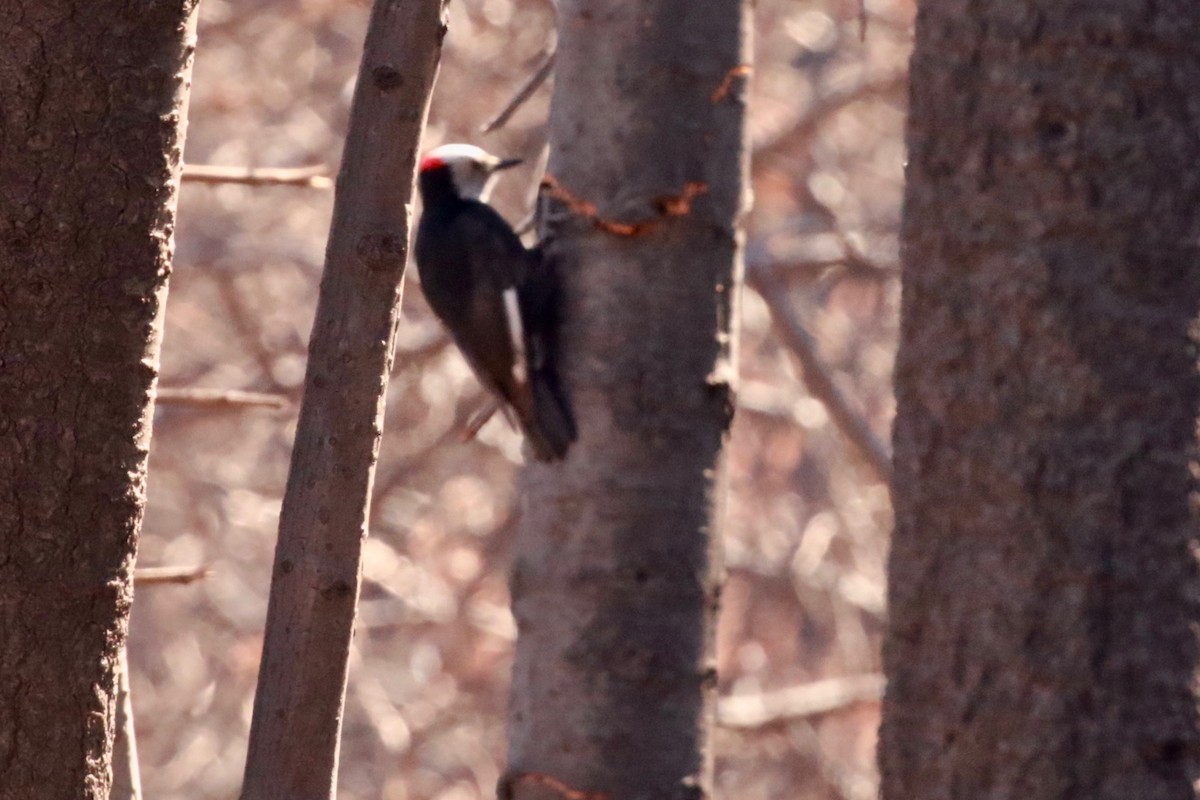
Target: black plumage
column 497, row 298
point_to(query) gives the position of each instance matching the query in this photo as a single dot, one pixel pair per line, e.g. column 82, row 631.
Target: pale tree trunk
column 91, row 138
column 1044, row 584
column 295, row 732
column 615, row 578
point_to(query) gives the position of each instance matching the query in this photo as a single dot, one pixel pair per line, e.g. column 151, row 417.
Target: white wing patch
column 516, row 333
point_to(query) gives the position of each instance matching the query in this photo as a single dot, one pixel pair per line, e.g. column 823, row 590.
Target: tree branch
column 822, row 108
column 315, row 176
column 127, row 776
column 156, row 576
column 218, row 398
column 523, row 93
column 816, row 376
column 798, row 702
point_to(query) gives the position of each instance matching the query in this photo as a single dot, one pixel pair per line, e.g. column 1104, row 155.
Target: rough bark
column 91, row 136
column 1044, row 584
column 296, row 727
column 615, row 574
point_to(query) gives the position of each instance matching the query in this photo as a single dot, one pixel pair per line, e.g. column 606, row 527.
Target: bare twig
column 535, row 193
column 245, row 322
column 844, row 782
column 818, row 112
column 479, row 419
column 218, row 398
column 315, row 176
column 798, row 702
column 856, row 259
column 127, row 776
column 526, row 90
column 816, row 376
column 849, row 265
column 156, row 576
column 412, row 358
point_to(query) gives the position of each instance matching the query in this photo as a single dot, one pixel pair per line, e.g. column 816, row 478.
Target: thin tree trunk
column 616, row 571
column 91, row 138
column 1044, row 583
column 294, row 734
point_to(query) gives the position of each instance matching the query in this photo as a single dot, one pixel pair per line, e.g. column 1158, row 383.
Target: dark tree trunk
column 294, row 736
column 1044, row 584
column 615, row 575
column 91, row 136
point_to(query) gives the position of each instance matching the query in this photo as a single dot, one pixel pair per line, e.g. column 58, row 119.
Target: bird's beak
column 507, row 163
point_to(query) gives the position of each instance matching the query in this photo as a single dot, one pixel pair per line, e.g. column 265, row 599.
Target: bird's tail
column 545, row 418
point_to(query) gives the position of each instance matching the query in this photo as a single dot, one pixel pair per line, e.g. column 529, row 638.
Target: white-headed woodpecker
column 498, row 298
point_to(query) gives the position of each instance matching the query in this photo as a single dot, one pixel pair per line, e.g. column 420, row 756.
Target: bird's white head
column 472, row 169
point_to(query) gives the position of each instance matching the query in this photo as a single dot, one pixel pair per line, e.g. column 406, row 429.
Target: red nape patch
column 431, row 162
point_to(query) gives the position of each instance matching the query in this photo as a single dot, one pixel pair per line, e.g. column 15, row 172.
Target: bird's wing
column 496, row 253
column 498, row 265
column 512, row 301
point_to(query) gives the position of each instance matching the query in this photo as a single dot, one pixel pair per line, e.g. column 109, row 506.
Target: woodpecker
column 497, row 298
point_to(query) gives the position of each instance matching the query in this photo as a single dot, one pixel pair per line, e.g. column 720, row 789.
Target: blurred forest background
column 809, row 514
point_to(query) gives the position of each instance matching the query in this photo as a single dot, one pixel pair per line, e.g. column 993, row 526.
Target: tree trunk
column 295, row 732
column 615, row 575
column 91, row 136
column 1044, row 582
